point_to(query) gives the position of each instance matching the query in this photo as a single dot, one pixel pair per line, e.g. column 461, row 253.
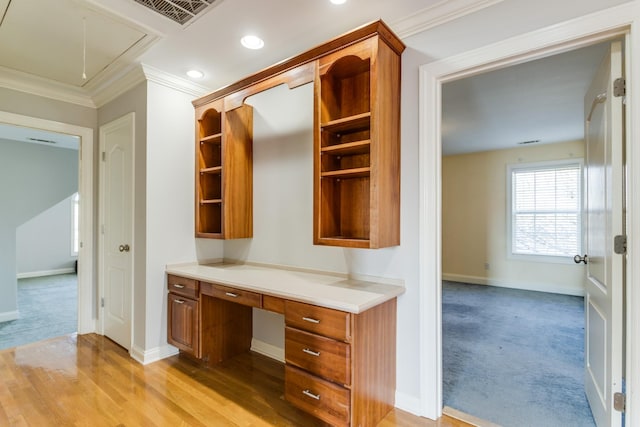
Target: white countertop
column 326, row 290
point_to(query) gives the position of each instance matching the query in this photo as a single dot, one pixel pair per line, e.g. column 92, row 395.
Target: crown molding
column 438, row 14
column 139, row 73
column 172, row 81
column 117, row 85
column 96, row 95
column 28, row 83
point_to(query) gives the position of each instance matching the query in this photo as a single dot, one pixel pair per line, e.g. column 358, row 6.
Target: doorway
column 570, row 35
column 86, row 306
column 522, row 124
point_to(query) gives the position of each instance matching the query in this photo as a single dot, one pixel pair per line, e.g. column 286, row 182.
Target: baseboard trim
column 45, row 273
column 9, row 315
column 408, row 403
column 268, row 350
column 477, row 280
column 152, row 355
column 469, row 419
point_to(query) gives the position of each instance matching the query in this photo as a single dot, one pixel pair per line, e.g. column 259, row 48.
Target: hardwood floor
column 88, row 380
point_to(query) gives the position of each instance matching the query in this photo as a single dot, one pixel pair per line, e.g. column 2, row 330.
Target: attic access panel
column 180, row 11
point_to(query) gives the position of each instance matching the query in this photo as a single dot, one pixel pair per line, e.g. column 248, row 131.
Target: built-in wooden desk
column 340, row 334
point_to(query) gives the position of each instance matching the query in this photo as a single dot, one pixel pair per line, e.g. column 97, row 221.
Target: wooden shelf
column 358, row 121
column 217, row 138
column 214, row 170
column 347, row 173
column 211, row 201
column 349, row 148
column 345, row 241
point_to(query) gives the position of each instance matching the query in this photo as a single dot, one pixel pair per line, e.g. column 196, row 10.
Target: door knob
column 578, row 259
column 125, row 248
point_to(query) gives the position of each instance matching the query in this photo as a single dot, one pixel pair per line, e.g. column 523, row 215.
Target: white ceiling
column 42, row 40
column 288, row 27
column 539, row 100
column 35, row 136
column 45, row 38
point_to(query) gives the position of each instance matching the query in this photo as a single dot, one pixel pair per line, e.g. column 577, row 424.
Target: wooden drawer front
column 319, row 320
column 182, row 286
column 274, row 304
column 183, row 327
column 325, row 357
column 239, row 296
column 321, row 398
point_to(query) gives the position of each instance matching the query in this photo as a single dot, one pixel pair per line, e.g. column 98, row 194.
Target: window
column 75, row 214
column 545, row 208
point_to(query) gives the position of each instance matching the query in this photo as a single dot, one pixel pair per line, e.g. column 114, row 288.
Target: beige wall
column 474, row 229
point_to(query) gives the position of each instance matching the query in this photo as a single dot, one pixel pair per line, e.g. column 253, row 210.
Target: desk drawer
column 182, row 286
column 325, row 357
column 323, row 399
column 239, row 296
column 319, row 320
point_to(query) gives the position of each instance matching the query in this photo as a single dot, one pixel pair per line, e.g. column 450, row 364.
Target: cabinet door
column 183, row 324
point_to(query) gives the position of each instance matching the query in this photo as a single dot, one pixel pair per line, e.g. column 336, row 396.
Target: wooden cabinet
column 356, row 142
column 341, row 366
column 183, row 328
column 224, row 171
column 357, row 146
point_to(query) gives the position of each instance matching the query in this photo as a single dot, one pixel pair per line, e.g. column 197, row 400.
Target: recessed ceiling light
column 252, row 42
column 195, row 74
column 338, row 1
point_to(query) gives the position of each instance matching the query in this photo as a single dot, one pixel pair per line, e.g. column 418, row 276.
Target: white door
column 604, row 286
column 116, row 210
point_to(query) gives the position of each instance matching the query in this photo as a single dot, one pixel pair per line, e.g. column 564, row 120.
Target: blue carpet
column 513, row 357
column 48, row 308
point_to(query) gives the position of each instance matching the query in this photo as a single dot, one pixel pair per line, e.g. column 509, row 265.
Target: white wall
column 283, row 185
column 170, row 178
column 283, row 196
column 474, row 222
column 26, row 104
column 44, row 243
column 32, row 179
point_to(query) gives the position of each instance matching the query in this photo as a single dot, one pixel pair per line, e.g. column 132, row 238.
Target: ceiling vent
column 48, row 141
column 180, row 11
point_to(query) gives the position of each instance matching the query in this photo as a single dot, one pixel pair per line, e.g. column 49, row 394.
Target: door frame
column 620, row 21
column 86, row 256
column 126, row 118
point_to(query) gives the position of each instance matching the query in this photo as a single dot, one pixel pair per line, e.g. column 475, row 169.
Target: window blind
column 546, row 210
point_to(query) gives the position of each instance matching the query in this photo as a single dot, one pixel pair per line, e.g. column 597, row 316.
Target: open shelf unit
column 224, row 165
column 357, row 147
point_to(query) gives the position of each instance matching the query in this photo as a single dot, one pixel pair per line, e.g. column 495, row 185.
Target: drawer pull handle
column 311, row 352
column 311, row 395
column 178, row 301
column 231, row 294
column 311, row 320
column 175, row 285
